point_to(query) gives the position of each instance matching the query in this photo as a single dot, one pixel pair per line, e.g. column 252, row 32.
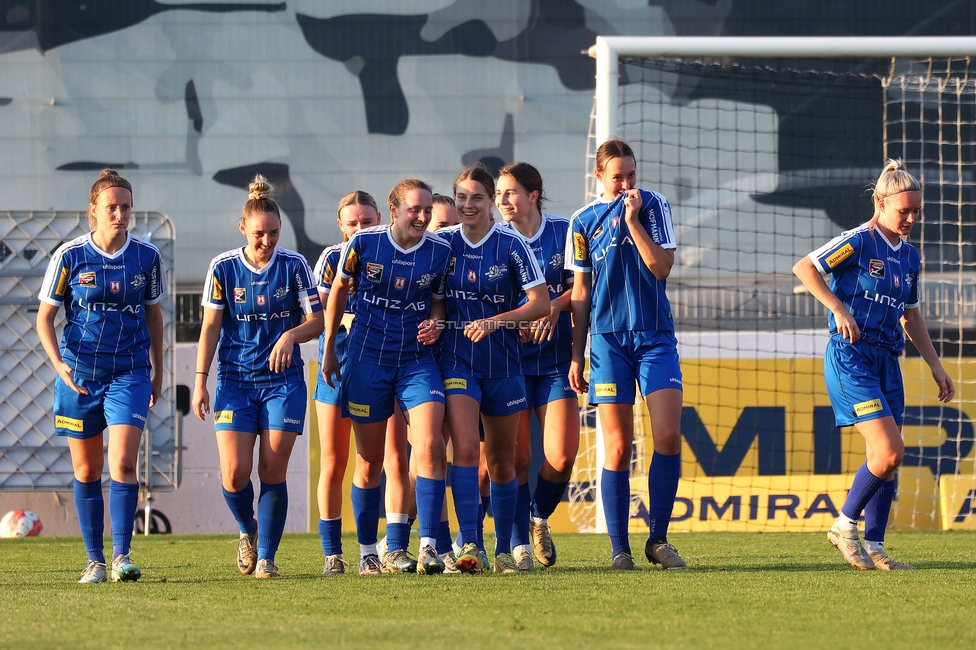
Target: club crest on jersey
column 557, row 261
column 472, row 276
column 450, row 266
column 261, row 298
column 399, row 283
column 240, row 294
column 281, row 292
column 495, row 271
column 139, row 280
column 115, row 286
column 614, row 222
column 897, row 281
column 909, row 279
column 87, row 280
column 374, row 272
column 876, row 268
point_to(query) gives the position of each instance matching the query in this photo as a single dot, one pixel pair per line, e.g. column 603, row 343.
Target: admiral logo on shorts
column 374, row 272
column 224, row 417
column 876, row 268
column 846, row 251
column 362, row 410
column 70, row 424
column 455, row 383
column 866, row 408
column 606, row 390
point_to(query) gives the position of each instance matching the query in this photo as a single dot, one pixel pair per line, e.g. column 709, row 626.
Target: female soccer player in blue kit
column 873, row 300
column 621, row 248
column 259, row 303
column 357, row 210
column 491, row 266
column 546, row 352
column 397, row 272
column 109, row 363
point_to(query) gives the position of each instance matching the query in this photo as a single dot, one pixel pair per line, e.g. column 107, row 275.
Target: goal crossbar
column 609, row 49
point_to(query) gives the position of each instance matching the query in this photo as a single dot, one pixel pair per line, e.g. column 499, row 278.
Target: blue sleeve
column 577, row 253
column 655, row 216
column 156, row 287
column 57, row 279
column 525, row 265
column 308, row 294
column 213, row 287
column 837, row 254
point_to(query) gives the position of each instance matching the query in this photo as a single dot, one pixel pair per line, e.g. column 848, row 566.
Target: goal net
column 766, row 149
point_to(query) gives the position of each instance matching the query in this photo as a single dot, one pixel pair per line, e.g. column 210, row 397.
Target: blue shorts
column 863, row 382
column 542, row 389
column 497, row 397
column 618, row 359
column 124, row 400
column 323, row 392
column 368, row 391
column 253, row 410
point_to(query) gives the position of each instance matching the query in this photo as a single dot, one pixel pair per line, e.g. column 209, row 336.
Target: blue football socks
column 615, row 492
column 366, row 511
column 122, row 501
column 547, row 496
column 330, row 530
column 876, row 512
column 272, row 513
column 862, row 489
column 464, row 487
column 241, row 505
column 504, row 497
column 520, row 529
column 662, row 485
column 91, row 518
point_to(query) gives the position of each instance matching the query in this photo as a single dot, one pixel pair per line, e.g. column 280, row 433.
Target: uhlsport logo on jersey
column 262, row 299
column 240, row 295
column 606, row 390
column 399, row 283
column 842, row 254
column 71, row 424
column 362, row 410
column 374, row 272
column 865, row 408
column 115, row 286
column 579, row 246
column 224, row 417
column 87, row 280
column 876, row 268
column 455, row 383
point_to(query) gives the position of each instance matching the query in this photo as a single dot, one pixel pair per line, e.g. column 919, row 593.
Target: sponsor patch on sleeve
column 71, row 424
column 866, row 408
column 352, row 261
column 840, row 255
column 62, row 283
column 224, row 417
column 579, row 246
column 218, row 290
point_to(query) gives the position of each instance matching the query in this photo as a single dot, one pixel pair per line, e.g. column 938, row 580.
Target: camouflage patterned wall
column 190, row 99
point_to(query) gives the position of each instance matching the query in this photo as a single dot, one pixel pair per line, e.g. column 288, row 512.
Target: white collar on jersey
column 112, row 256
column 251, row 268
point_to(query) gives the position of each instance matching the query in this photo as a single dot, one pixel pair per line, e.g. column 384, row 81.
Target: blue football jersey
column 105, row 297
column 875, row 280
column 394, row 289
column 549, row 246
column 625, row 294
column 259, row 306
column 484, row 280
column 325, row 272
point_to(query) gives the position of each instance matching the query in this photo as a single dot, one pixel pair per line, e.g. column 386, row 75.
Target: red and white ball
column 20, row 523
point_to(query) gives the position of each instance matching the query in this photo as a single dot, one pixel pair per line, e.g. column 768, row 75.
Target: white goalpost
column 764, row 147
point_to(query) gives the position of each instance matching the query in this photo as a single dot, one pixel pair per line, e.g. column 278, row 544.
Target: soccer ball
column 20, row 523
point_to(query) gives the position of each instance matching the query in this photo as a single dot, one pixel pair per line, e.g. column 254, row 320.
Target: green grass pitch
column 742, row 590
